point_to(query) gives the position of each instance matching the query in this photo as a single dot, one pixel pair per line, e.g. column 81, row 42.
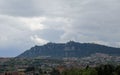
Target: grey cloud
column 18, row 8
column 80, row 20
column 99, row 19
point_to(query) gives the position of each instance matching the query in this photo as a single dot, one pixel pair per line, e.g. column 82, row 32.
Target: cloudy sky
column 25, row 23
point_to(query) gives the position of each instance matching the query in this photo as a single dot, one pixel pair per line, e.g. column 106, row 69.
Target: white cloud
column 34, row 23
column 38, row 40
column 23, row 23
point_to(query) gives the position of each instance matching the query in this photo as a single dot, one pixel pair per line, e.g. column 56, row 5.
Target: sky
column 25, row 23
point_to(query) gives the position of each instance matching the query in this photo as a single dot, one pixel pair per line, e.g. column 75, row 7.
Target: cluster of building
column 47, row 66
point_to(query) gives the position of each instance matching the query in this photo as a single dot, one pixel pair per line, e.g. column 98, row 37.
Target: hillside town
column 36, row 66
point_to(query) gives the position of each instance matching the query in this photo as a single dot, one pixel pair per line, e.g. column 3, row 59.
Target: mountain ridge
column 69, row 49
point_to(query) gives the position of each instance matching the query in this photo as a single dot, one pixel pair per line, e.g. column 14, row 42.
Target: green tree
column 105, row 70
column 55, row 72
column 117, row 70
column 89, row 71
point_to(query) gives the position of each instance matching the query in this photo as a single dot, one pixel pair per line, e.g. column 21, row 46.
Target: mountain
column 69, row 49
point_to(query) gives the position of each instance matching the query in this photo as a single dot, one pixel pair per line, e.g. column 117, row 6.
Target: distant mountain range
column 69, row 49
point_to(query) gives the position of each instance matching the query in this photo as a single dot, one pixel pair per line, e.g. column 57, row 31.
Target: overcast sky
column 25, row 23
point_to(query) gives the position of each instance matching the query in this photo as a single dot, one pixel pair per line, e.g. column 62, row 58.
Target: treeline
column 100, row 70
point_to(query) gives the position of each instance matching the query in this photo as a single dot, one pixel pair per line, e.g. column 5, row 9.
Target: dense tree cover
column 100, row 70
